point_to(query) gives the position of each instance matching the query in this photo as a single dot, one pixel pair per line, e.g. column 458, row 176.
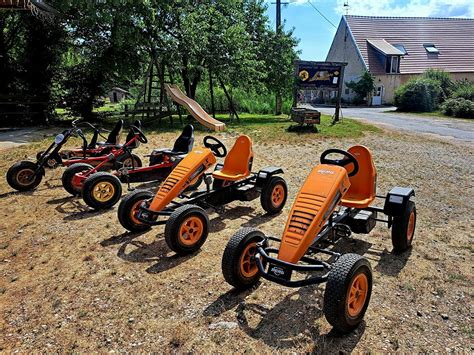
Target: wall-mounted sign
column 319, row 74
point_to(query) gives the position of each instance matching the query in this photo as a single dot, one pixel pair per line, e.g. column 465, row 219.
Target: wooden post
column 230, row 99
column 339, row 94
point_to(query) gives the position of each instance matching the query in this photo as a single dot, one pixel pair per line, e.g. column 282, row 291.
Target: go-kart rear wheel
column 22, row 176
column 186, row 230
column 348, row 292
column 274, row 194
column 238, row 262
column 101, row 190
column 403, row 228
column 125, row 161
column 68, row 175
column 128, row 209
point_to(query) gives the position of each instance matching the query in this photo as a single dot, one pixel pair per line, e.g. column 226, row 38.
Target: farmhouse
column 394, row 49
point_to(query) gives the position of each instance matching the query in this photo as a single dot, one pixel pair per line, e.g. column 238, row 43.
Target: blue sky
column 316, row 34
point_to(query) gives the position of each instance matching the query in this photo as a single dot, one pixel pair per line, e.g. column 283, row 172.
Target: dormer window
column 431, row 48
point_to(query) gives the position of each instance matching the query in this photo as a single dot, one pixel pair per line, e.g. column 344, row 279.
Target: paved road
column 16, row 137
column 459, row 129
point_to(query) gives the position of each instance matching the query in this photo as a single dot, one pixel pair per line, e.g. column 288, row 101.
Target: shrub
column 464, row 89
column 420, row 95
column 362, row 88
column 458, row 107
column 443, row 79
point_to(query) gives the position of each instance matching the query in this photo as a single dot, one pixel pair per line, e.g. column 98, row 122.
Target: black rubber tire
column 91, row 183
column 24, row 165
column 266, row 196
column 400, row 240
column 335, row 296
column 69, row 174
column 173, row 226
column 232, row 254
column 119, row 163
column 125, row 207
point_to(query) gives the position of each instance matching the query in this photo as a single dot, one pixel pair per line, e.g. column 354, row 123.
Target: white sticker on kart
column 396, row 199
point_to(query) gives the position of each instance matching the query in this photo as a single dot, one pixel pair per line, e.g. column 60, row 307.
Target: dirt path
column 448, row 128
column 72, row 280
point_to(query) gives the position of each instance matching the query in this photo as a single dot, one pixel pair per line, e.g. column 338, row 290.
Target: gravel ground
column 72, row 280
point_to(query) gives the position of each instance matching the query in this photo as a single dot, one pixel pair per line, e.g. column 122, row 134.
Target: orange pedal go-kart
column 101, row 190
column 184, row 215
column 315, row 222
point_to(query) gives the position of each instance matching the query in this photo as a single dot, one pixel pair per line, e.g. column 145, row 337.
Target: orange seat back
column 363, row 184
column 239, row 159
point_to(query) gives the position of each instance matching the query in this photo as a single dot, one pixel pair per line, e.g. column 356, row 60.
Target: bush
column 244, row 101
column 458, row 107
column 464, row 89
column 419, row 95
column 443, row 79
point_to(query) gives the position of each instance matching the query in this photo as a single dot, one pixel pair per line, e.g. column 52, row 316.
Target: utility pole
column 278, row 4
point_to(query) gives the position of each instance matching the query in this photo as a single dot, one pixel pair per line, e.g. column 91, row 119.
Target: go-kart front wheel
column 347, row 293
column 68, row 175
column 187, row 229
column 101, row 190
column 23, row 176
column 128, row 209
column 238, row 262
column 274, row 194
column 403, row 228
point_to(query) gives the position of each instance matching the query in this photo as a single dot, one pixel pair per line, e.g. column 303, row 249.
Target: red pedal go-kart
column 184, row 214
column 335, row 201
column 120, row 156
column 26, row 175
column 101, row 190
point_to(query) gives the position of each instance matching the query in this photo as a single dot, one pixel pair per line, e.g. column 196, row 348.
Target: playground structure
column 194, row 108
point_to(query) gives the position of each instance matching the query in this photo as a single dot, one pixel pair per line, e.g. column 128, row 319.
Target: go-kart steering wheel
column 141, row 136
column 215, row 147
column 348, row 159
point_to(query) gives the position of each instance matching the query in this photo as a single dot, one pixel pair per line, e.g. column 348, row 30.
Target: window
column 431, row 48
column 392, row 64
column 401, row 48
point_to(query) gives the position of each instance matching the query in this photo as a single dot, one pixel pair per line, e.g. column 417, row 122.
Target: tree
column 362, row 88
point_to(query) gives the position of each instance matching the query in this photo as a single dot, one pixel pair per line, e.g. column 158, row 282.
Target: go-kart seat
column 238, row 162
column 361, row 193
column 114, row 135
column 131, row 134
column 184, row 143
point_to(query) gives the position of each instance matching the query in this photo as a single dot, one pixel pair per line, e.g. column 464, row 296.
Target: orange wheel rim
column 411, row 226
column 191, row 230
column 357, row 295
column 134, row 211
column 278, row 195
column 24, row 176
column 248, row 266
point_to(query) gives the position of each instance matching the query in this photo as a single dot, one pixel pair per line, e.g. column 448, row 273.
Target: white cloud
column 423, row 8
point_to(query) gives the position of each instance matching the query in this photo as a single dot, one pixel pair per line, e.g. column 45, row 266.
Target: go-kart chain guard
column 280, row 271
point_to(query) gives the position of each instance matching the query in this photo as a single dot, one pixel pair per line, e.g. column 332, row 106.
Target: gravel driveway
column 448, row 128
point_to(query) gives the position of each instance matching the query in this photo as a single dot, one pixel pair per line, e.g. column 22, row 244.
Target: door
column 377, row 98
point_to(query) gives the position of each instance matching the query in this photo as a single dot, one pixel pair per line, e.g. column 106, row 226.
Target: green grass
column 270, row 126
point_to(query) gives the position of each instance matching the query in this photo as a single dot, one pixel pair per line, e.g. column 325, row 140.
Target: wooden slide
column 194, row 108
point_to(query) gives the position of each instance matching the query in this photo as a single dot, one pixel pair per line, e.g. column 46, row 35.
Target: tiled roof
column 453, row 37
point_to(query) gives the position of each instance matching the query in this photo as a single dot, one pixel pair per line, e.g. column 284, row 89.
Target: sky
column 316, row 33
